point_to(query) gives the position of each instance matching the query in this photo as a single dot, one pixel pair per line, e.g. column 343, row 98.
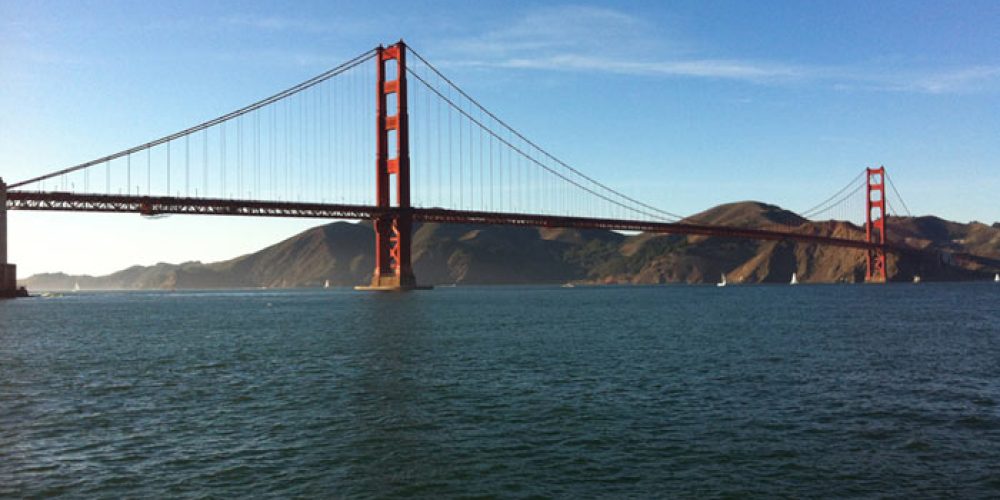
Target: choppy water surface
column 659, row 391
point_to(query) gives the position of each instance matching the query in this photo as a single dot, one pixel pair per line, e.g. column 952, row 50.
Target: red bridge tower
column 875, row 225
column 394, row 229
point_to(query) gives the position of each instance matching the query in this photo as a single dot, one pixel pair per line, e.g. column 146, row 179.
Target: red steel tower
column 394, row 230
column 875, row 225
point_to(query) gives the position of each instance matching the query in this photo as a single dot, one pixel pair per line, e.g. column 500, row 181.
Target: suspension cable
column 835, row 203
column 806, row 213
column 531, row 158
column 901, row 200
column 529, row 142
column 242, row 111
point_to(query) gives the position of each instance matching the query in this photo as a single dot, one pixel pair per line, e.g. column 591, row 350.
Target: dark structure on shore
column 8, row 272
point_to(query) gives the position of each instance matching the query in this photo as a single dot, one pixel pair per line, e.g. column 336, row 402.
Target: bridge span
column 432, row 153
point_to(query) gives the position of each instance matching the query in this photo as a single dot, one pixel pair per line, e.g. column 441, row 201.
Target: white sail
column 723, row 282
column 795, row 280
column 996, row 279
column 76, row 286
column 326, row 284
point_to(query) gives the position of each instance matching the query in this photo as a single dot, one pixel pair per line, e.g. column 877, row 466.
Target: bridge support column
column 875, row 225
column 394, row 228
column 8, row 272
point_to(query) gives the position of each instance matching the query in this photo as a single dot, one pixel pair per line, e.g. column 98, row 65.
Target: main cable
column 228, row 116
column 835, row 203
column 489, row 131
column 529, row 142
column 815, row 209
column 901, row 200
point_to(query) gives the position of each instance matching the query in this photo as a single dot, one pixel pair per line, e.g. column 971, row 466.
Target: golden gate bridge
column 438, row 156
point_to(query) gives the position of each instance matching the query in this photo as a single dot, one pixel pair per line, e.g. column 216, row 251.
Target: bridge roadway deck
column 161, row 205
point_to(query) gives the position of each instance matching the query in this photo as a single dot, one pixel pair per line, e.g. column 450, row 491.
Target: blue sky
column 682, row 104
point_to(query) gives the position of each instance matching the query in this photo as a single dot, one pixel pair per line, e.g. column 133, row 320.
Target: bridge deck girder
column 160, row 205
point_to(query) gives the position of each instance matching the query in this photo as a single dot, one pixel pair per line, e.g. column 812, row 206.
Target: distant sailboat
column 996, row 279
column 326, row 284
column 795, row 280
column 916, row 279
column 723, row 282
column 76, row 286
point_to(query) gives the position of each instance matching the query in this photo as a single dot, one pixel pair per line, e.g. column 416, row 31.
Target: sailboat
column 996, row 279
column 795, row 280
column 76, row 286
column 326, row 284
column 916, row 279
column 723, row 282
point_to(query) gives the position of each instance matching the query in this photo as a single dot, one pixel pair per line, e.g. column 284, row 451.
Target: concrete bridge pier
column 8, row 272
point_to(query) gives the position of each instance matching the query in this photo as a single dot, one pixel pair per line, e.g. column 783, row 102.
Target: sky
column 684, row 105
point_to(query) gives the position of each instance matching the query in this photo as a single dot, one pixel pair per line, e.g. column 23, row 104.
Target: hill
column 341, row 253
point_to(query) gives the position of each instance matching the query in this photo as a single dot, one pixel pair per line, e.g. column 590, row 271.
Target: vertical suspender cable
column 204, row 162
column 222, row 161
column 440, row 164
column 482, row 166
column 490, row 180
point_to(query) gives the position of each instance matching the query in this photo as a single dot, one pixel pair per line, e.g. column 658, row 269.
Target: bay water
column 667, row 391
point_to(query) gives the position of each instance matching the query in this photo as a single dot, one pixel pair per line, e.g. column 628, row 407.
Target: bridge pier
column 8, row 272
